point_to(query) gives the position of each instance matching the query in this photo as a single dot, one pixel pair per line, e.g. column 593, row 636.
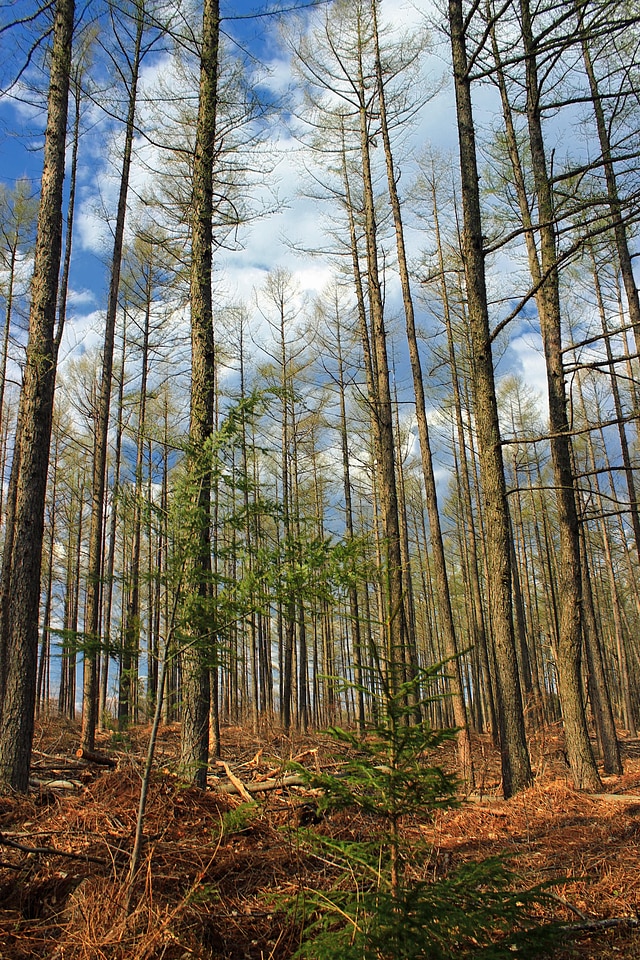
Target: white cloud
column 83, row 333
column 81, row 298
column 530, row 357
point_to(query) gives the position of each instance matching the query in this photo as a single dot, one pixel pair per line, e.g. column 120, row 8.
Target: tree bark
column 22, row 588
column 95, row 562
column 583, row 767
column 196, row 657
column 516, row 768
column 127, row 699
column 478, row 632
column 382, row 407
column 428, row 473
column 613, row 196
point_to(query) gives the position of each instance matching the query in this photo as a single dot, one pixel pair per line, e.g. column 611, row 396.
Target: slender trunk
column 8, row 515
column 354, row 609
column 364, row 337
column 583, row 767
column 95, row 561
column 7, row 323
column 516, row 768
column 613, row 197
column 21, row 589
column 196, row 656
column 620, row 416
column 71, row 207
column 43, row 662
column 411, row 642
column 109, row 566
column 598, row 687
column 628, row 710
column 479, row 634
column 127, row 700
column 428, row 472
column 395, row 626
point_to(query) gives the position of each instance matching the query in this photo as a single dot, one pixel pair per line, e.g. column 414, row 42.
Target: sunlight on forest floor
column 213, row 861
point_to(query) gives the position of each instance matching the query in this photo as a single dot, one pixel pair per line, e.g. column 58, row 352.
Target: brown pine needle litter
column 215, row 863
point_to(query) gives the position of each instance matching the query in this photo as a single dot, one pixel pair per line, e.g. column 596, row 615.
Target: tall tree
column 20, row 595
column 581, row 758
column 18, row 212
column 603, row 125
column 516, row 767
column 428, row 471
column 196, row 654
column 139, row 17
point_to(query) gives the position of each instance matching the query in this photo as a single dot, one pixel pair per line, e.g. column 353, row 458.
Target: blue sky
column 296, row 223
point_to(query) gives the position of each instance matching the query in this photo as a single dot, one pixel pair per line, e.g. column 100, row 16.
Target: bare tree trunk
column 358, row 281
column 42, row 687
column 21, row 589
column 95, row 561
column 616, row 603
column 109, row 564
column 4, row 353
column 478, row 632
column 583, row 767
column 76, row 89
column 615, row 206
column 442, row 584
column 196, row 656
column 598, row 688
column 382, row 408
column 634, row 513
column 516, row 768
column 354, row 607
column 127, row 699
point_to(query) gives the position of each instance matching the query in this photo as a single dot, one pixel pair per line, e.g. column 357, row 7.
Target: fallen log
column 54, row 784
column 619, row 797
column 92, row 757
column 605, row 924
column 235, row 781
column 257, row 786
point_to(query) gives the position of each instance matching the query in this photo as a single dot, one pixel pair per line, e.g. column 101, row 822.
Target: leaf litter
column 216, row 866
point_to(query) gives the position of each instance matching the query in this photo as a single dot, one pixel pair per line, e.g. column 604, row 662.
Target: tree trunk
column 615, row 207
column 392, row 573
column 196, row 656
column 516, row 768
column 109, row 564
column 598, row 688
column 127, row 699
column 22, row 589
column 583, row 767
column 95, row 561
column 354, row 609
column 428, row 473
column 478, row 632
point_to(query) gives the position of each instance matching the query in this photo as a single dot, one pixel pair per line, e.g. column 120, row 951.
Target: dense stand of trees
column 257, row 510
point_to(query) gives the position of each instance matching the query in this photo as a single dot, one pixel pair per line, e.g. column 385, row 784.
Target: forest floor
column 216, row 870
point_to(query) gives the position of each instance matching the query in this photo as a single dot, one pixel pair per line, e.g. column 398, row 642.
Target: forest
column 319, row 389
column 267, row 499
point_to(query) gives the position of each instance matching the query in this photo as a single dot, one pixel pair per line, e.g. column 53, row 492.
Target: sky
column 294, row 223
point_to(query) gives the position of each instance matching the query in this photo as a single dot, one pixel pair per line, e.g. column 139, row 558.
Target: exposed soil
column 215, row 872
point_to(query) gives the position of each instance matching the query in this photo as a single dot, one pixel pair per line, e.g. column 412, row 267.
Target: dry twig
column 49, row 851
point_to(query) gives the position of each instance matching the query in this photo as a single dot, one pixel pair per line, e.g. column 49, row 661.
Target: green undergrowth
column 380, row 899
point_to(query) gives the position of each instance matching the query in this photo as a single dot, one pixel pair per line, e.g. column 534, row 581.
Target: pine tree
column 381, row 904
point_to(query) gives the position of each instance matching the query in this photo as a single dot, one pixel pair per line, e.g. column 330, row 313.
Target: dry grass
column 207, row 875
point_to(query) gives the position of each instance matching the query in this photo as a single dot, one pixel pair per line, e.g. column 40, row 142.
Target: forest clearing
column 212, row 876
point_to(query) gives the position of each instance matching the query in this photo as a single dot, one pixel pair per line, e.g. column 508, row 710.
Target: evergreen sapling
column 382, row 902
